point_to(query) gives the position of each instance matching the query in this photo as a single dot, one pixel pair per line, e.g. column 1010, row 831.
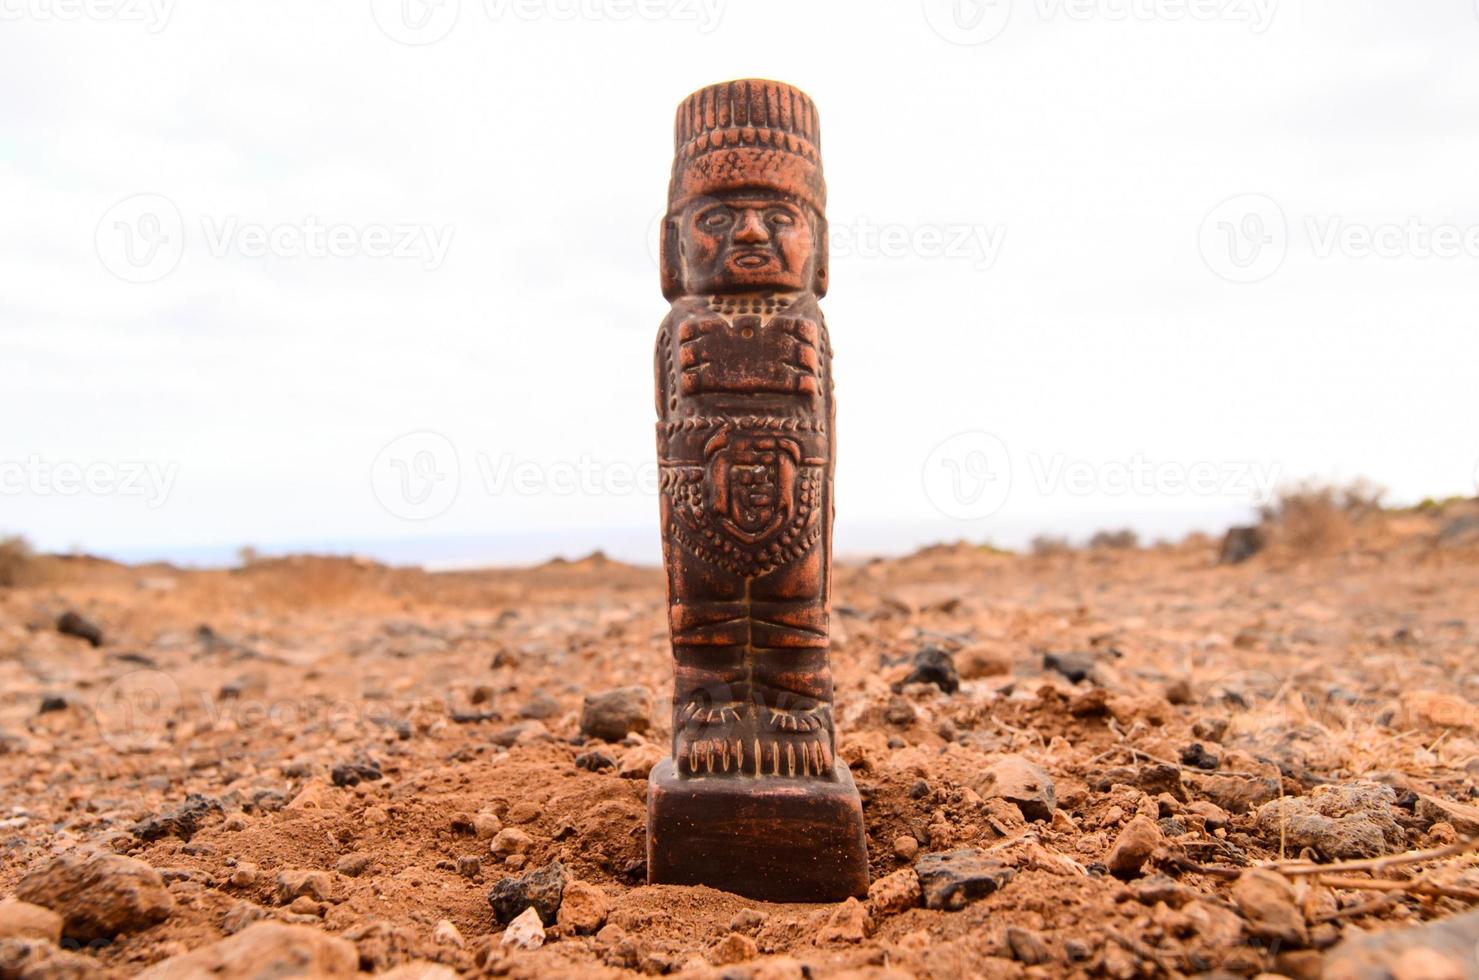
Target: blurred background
column 380, row 277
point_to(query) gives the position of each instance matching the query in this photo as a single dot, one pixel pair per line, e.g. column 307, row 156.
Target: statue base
column 774, row 840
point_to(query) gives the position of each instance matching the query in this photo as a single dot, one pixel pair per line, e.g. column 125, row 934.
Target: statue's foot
column 736, row 738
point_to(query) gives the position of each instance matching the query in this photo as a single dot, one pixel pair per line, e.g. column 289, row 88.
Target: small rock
column 36, row 959
column 241, row 915
column 98, row 895
column 182, row 822
column 951, row 879
column 1462, row 817
column 983, row 661
column 733, row 948
column 486, row 825
column 469, row 865
column 525, row 931
column 1197, row 757
column 541, row 889
column 525, row 812
column 303, row 905
column 1342, row 821
column 356, row 772
column 934, row 666
column 1240, row 544
column 446, row 934
column 637, row 762
column 266, row 949
column 1074, row 666
column 582, row 909
column 1443, row 950
column 353, row 865
column 540, row 706
column 1134, row 846
column 1266, row 900
column 73, row 623
column 848, row 923
column 299, row 882
column 612, row 715
column 747, row 920
column 245, row 875
column 594, row 761
column 899, row 712
column 510, row 840
column 1027, row 947
column 22, row 920
column 894, row 893
column 906, row 847
column 1022, row 783
column 1212, row 815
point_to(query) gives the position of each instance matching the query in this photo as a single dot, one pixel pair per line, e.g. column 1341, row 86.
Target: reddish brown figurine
column 753, row 799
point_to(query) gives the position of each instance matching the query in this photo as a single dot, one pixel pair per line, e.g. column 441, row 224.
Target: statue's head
column 746, row 208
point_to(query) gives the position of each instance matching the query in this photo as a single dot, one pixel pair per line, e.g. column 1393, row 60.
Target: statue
column 753, row 799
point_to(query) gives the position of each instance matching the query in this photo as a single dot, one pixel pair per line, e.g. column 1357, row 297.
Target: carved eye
column 781, row 218
column 715, row 219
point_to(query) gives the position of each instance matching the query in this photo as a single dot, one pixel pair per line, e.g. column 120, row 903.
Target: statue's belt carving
column 750, row 505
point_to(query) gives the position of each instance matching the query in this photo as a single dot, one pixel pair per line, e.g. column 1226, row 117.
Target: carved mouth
column 752, row 260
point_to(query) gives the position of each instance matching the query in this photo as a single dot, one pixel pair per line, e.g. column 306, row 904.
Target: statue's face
column 748, row 240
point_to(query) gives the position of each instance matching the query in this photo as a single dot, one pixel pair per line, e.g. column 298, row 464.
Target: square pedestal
column 771, row 839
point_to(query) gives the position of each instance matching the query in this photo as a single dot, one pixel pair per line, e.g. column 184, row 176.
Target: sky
column 380, row 275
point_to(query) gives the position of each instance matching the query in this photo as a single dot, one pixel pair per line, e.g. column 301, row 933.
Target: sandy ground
column 389, row 727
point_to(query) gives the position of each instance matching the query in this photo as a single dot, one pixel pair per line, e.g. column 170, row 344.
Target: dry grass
column 1314, row 518
column 1045, row 545
column 1121, row 540
column 17, row 562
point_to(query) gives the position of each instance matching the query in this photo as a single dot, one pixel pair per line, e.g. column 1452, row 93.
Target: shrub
column 16, row 561
column 1050, row 544
column 1120, row 540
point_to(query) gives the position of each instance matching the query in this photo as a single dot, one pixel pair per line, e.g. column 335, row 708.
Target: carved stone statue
column 753, row 799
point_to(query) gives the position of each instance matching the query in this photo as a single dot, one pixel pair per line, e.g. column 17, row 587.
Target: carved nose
column 751, row 229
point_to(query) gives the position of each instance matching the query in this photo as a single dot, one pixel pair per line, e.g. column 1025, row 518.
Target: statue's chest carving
column 729, row 350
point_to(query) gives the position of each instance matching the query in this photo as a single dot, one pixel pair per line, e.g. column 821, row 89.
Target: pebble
column 540, row 889
column 594, row 761
column 302, row 882
column 950, row 880
column 446, row 934
column 511, row 840
column 612, row 715
column 265, row 949
column 1134, row 846
column 1342, row 821
column 35, row 959
column 353, row 865
column 1266, row 900
column 1027, row 947
column 1460, row 816
column 98, row 895
column 23, row 920
column 894, row 893
column 525, row 812
column 486, row 825
column 848, row 923
column 747, row 920
column 469, row 866
column 583, row 909
column 1020, row 782
column 906, row 847
column 181, row 822
column 934, row 666
column 733, row 948
column 73, row 623
column 244, row 876
column 983, row 661
column 525, row 931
